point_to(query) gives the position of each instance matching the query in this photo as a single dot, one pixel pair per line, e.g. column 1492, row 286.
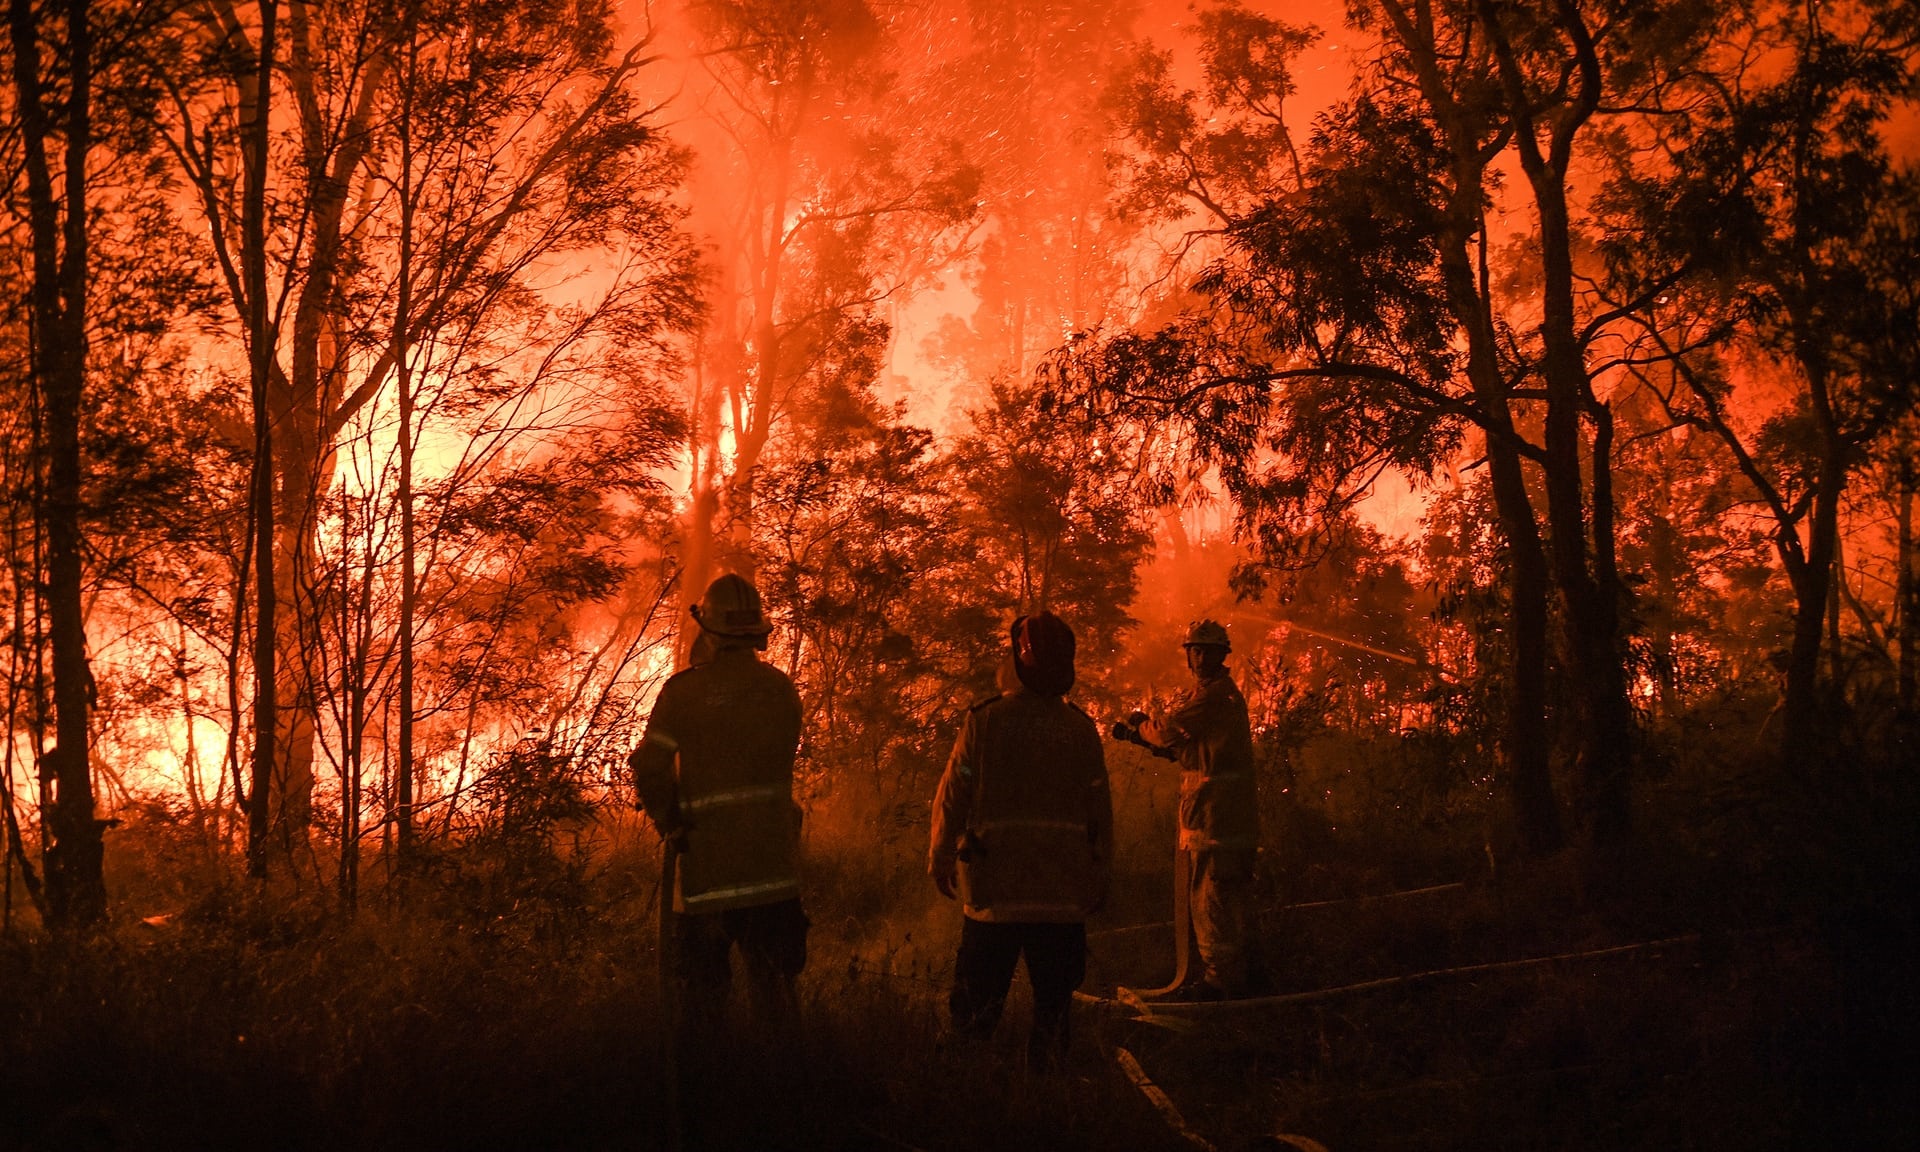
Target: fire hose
column 1183, row 945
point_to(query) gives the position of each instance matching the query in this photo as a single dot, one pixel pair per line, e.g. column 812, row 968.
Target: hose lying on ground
column 1255, row 1003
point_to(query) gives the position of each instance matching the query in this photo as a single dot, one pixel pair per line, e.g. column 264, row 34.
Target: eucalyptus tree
column 1766, row 233
column 530, row 153
column 1052, row 254
column 1373, row 319
column 112, row 467
column 1361, row 331
column 1554, row 65
column 1554, row 83
column 545, row 331
column 823, row 195
column 61, row 133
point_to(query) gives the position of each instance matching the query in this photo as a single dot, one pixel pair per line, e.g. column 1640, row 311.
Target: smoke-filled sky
column 914, row 371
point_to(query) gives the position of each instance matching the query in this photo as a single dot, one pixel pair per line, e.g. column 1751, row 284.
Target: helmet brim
column 748, row 632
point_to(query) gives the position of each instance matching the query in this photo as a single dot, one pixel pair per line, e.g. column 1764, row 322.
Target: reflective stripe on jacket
column 717, row 763
column 1210, row 732
column 1024, row 808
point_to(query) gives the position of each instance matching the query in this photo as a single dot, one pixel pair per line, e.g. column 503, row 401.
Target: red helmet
column 1043, row 653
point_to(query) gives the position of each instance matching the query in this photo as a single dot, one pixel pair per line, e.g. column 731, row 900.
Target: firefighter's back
column 738, row 726
column 1031, row 856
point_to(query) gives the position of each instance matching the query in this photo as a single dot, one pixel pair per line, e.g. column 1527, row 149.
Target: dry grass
column 515, row 1006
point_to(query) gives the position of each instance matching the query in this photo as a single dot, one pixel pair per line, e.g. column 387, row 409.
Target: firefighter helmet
column 731, row 607
column 1043, row 653
column 1207, row 633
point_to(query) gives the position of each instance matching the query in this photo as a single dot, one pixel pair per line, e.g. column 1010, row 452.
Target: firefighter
column 1210, row 735
column 1023, row 835
column 714, row 773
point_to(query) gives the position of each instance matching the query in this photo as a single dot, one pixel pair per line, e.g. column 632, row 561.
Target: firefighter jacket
column 731, row 728
column 1209, row 731
column 1025, row 810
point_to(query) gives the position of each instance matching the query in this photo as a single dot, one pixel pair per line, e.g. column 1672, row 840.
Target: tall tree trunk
column 1812, row 581
column 296, row 581
column 11, row 844
column 1529, row 763
column 356, row 642
column 1529, row 777
column 753, row 428
column 1812, row 577
column 1906, row 596
column 1473, row 145
column 1583, row 567
column 76, row 892
column 1529, row 772
column 403, row 323
column 713, row 364
column 755, row 408
column 1836, row 591
column 261, row 339
column 306, row 396
column 1582, row 570
column 1592, row 617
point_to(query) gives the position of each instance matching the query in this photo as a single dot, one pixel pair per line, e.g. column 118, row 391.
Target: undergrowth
column 506, row 995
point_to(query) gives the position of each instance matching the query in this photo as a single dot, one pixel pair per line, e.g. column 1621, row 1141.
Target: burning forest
column 948, row 574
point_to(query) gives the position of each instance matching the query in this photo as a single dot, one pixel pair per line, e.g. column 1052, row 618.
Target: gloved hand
column 1136, row 718
column 946, row 875
column 633, row 767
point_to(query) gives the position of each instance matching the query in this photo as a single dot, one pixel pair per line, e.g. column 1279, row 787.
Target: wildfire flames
column 528, row 320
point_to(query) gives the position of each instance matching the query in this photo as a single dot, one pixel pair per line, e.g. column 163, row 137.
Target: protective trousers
column 1056, row 957
column 712, row 1060
column 772, row 939
column 1221, row 903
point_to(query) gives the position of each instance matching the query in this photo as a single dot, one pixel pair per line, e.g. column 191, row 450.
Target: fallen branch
column 1161, row 1102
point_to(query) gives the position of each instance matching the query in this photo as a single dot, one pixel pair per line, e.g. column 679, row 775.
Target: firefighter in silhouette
column 715, row 774
column 1209, row 734
column 1023, row 835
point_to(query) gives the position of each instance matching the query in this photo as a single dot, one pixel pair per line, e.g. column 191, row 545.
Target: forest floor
column 1771, row 1006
